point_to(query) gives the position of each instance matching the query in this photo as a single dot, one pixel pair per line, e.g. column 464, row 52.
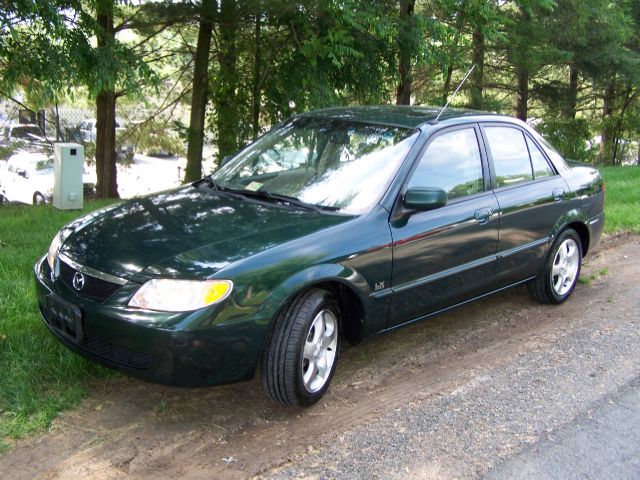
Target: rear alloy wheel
column 562, row 270
column 301, row 357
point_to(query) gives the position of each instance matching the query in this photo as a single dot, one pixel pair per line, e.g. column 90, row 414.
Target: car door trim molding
column 445, row 273
column 459, row 304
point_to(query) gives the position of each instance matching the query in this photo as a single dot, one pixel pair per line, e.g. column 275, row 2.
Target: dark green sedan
column 337, row 224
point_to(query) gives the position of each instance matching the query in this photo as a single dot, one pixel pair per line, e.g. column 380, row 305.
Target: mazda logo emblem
column 78, row 281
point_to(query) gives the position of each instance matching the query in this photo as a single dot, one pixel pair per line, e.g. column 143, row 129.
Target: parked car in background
column 23, row 133
column 88, row 132
column 28, row 177
column 337, row 224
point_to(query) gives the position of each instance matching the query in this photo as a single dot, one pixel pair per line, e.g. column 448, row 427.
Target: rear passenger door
column 531, row 196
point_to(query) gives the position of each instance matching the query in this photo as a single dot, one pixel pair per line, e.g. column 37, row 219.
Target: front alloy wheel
column 319, row 352
column 301, row 356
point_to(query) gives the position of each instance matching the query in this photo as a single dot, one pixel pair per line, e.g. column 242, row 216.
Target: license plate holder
column 65, row 317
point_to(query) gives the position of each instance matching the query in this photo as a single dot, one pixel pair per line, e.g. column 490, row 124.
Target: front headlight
column 168, row 295
column 53, row 250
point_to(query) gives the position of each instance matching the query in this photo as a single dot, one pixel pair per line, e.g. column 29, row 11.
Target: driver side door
column 447, row 255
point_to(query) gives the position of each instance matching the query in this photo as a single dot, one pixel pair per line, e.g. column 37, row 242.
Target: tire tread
column 279, row 357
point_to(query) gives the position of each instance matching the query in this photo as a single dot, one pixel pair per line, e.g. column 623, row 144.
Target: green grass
column 38, row 376
column 622, row 205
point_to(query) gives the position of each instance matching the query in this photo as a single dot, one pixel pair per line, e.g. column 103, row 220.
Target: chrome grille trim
column 91, row 271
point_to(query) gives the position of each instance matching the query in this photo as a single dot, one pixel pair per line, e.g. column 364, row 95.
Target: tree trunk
column 447, row 84
column 477, row 77
column 106, row 173
column 403, row 94
column 255, row 100
column 226, row 105
column 607, row 150
column 453, row 54
column 572, row 94
column 199, row 93
column 523, row 93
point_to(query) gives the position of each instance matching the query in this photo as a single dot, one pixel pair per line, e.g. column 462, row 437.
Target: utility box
column 68, row 170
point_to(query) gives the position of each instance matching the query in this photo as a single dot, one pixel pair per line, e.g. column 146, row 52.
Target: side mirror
column 22, row 172
column 424, row 198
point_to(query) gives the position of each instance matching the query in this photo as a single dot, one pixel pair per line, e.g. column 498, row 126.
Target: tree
column 46, row 49
column 199, row 93
column 405, row 51
column 106, row 155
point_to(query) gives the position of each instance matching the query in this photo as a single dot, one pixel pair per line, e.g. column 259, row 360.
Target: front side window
column 510, row 155
column 341, row 165
column 452, row 162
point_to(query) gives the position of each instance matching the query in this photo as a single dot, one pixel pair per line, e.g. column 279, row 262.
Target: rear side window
column 541, row 167
column 510, row 155
column 452, row 162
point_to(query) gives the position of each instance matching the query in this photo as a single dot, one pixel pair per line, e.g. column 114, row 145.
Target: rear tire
column 301, row 357
column 561, row 270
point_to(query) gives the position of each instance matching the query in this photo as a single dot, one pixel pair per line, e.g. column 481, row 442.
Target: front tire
column 561, row 271
column 300, row 359
column 38, row 199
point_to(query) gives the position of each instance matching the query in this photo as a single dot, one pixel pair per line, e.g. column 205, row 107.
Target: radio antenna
column 456, row 91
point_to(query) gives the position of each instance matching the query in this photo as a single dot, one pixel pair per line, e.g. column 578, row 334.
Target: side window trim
column 481, row 150
column 528, row 139
column 494, row 183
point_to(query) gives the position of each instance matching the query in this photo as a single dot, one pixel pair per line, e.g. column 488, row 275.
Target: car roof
column 397, row 115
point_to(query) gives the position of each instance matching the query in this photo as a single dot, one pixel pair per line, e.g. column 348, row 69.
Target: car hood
column 185, row 233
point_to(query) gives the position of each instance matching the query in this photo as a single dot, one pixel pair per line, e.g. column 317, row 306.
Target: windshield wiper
column 265, row 194
column 212, row 183
column 285, row 199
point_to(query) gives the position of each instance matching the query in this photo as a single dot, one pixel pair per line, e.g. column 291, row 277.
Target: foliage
column 571, row 136
column 574, row 64
column 154, row 136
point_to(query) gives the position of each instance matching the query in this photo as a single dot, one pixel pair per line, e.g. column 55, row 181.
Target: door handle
column 558, row 194
column 483, row 215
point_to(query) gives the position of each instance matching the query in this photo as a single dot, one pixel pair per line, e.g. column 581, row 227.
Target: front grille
column 116, row 353
column 94, row 288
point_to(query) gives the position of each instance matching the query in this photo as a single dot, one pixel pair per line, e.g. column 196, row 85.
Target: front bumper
column 189, row 349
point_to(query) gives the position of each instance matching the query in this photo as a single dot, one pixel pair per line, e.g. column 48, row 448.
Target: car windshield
column 339, row 165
